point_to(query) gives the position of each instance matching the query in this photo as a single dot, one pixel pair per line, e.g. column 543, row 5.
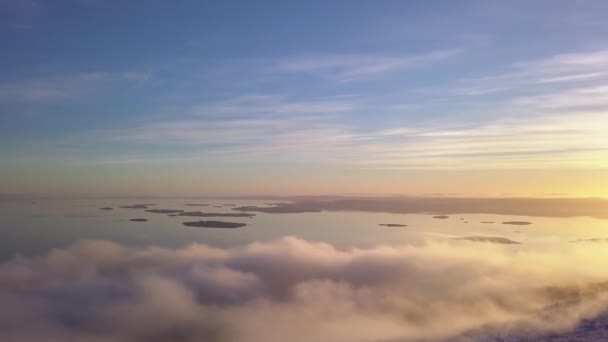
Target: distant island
column 138, row 206
column 393, row 225
column 164, row 211
column 490, row 239
column 196, row 205
column 548, row 207
column 201, row 214
column 441, row 217
column 596, row 240
column 139, row 220
column 280, row 209
column 106, row 208
column 214, row 224
column 518, row 223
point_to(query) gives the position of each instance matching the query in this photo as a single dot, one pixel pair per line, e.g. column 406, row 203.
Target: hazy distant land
column 548, row 207
column 393, row 225
column 596, row 240
column 201, row 214
column 491, row 239
column 164, row 211
column 214, row 224
column 517, row 223
column 138, row 206
column 284, row 208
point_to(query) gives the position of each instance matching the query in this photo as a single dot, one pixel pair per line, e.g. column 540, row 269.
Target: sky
column 188, row 98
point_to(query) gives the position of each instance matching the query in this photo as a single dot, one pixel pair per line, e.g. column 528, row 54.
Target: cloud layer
column 296, row 290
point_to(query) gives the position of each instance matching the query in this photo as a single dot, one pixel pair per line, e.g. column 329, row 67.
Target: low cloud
column 296, row 290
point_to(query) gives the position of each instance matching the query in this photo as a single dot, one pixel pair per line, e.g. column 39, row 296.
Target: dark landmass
column 173, row 215
column 201, row 214
column 164, row 211
column 278, row 203
column 214, row 224
column 518, row 223
column 139, row 220
column 596, row 240
column 106, row 208
column 229, row 205
column 491, row 239
column 441, row 217
column 548, row 207
column 196, row 205
column 487, row 222
column 280, row 209
column 137, row 206
column 393, row 225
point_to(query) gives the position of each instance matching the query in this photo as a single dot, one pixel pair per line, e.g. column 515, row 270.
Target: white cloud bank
column 294, row 290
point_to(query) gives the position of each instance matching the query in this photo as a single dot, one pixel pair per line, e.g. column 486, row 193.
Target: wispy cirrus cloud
column 248, row 123
column 354, row 67
column 580, row 97
column 532, row 142
column 561, row 70
column 557, row 119
column 536, row 141
column 273, row 105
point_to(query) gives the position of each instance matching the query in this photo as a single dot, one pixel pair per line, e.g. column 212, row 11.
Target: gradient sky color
column 318, row 97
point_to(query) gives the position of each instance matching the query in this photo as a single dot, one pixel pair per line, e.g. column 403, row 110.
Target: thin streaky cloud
column 273, row 105
column 354, row 67
column 565, row 70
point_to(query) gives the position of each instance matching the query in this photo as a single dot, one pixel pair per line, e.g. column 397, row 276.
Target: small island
column 518, row 223
column 595, row 240
column 214, row 224
column 196, row 205
column 139, row 220
column 201, row 214
column 441, row 217
column 393, row 225
column 164, row 211
column 137, row 206
column 487, row 222
column 490, row 239
column 279, row 209
column 106, row 208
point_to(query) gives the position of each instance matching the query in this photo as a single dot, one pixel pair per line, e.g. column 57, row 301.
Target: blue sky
column 201, row 97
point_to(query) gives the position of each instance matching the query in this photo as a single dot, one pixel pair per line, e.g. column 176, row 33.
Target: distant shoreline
column 561, row 207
